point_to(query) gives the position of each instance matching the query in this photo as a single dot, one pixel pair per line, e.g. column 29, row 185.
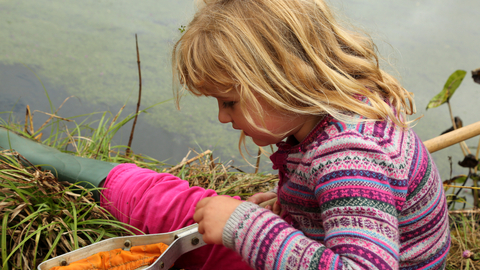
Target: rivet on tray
column 162, row 265
column 63, row 262
column 127, row 244
column 195, row 241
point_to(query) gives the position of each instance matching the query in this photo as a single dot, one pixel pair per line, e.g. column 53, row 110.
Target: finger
column 206, row 238
column 198, row 215
column 202, row 203
column 261, row 197
column 271, row 194
column 255, row 198
column 276, row 208
column 268, row 196
column 201, row 229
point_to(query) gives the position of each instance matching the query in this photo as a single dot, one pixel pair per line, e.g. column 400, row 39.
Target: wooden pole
column 453, row 137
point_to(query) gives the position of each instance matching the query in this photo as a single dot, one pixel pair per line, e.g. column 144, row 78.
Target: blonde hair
column 292, row 54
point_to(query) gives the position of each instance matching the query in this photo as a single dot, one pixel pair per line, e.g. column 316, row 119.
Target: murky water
column 86, row 49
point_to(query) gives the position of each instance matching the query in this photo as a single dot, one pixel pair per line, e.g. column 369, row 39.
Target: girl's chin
column 260, row 142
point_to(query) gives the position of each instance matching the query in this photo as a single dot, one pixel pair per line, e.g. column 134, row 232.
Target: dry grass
column 42, row 218
column 465, row 235
column 203, row 171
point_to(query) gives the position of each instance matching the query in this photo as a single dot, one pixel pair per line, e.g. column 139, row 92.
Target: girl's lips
column 240, row 130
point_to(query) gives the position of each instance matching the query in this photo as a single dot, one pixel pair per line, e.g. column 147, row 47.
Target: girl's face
column 229, row 111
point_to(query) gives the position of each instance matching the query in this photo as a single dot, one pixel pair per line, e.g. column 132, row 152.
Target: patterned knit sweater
column 355, row 196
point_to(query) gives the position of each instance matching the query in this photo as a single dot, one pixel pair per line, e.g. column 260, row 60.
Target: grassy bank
column 43, row 217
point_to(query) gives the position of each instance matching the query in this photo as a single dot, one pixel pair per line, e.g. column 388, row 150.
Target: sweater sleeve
column 150, row 201
column 159, row 203
column 357, row 218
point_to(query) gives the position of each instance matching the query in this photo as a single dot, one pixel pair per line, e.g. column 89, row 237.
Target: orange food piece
column 119, row 259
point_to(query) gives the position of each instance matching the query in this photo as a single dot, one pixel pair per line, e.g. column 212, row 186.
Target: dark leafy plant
column 470, row 160
column 448, row 90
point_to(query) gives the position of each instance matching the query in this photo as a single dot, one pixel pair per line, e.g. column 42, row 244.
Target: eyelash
column 228, row 104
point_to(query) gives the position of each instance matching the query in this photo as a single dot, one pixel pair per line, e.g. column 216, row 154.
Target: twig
column 475, row 193
column 28, row 120
column 463, row 145
column 180, row 165
column 127, row 152
column 258, row 159
column 54, row 115
column 273, row 178
column 467, row 211
column 212, row 163
column 454, row 186
column 186, row 157
column 72, row 140
column 477, row 154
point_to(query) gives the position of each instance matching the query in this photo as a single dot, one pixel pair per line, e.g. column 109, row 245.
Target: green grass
column 42, row 218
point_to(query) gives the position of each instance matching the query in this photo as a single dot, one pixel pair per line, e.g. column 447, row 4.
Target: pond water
column 86, row 49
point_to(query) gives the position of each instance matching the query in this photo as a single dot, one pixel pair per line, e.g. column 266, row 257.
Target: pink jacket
column 158, row 203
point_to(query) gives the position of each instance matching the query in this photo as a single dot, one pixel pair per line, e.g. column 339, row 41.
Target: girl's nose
column 223, row 115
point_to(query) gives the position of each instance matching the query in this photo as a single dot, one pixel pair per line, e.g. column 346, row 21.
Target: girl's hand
column 263, row 197
column 212, row 214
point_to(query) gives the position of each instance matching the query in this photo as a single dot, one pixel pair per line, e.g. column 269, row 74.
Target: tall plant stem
column 258, row 159
column 475, row 193
column 465, row 149
column 127, row 153
column 475, row 182
column 458, row 191
column 477, row 154
column 463, row 145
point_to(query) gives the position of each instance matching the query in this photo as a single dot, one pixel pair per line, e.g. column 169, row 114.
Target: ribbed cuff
column 232, row 223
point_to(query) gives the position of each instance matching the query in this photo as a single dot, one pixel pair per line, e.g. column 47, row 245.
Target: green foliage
column 461, row 179
column 42, row 218
column 182, row 28
column 449, row 88
column 470, row 161
column 91, row 137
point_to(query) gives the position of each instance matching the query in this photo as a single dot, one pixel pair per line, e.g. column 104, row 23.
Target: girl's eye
column 228, row 104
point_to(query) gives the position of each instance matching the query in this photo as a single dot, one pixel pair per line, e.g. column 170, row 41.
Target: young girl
column 358, row 189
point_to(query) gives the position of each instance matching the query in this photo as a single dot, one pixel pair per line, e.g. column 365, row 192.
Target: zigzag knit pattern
column 355, row 196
